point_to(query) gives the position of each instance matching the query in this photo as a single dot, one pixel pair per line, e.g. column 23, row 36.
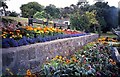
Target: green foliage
column 94, row 59
column 91, row 17
column 78, row 21
column 7, row 20
column 52, row 11
column 84, row 21
column 82, row 15
column 119, row 16
column 106, row 15
column 13, row 14
column 3, row 5
column 40, row 15
column 30, row 9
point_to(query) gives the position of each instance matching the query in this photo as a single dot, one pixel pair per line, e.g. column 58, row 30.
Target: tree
column 31, row 8
column 111, row 18
column 84, row 21
column 13, row 14
column 40, row 15
column 119, row 17
column 3, row 5
column 52, row 11
column 103, row 14
column 66, row 11
column 91, row 17
column 107, row 14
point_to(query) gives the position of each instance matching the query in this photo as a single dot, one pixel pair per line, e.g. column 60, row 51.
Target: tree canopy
column 4, row 6
column 30, row 9
column 82, row 15
column 52, row 11
column 40, row 15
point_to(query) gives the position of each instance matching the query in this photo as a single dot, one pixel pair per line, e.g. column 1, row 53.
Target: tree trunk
column 4, row 11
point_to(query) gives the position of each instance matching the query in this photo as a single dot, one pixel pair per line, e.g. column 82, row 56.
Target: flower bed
column 29, row 35
column 94, row 59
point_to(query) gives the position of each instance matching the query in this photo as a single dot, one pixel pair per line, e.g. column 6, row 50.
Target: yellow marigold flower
column 20, row 36
column 54, row 59
column 13, row 36
column 57, row 56
column 51, row 31
column 60, row 57
column 35, row 29
column 103, row 39
column 4, row 37
column 99, row 39
column 47, row 32
column 10, row 37
column 42, row 31
column 27, row 34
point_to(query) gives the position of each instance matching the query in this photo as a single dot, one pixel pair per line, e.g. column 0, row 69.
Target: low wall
column 19, row 59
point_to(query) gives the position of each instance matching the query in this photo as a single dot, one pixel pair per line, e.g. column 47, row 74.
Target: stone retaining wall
column 19, row 59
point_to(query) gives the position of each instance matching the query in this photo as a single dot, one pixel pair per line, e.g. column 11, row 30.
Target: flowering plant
column 94, row 61
column 30, row 35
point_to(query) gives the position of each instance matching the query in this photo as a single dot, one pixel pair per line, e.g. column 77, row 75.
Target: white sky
column 14, row 5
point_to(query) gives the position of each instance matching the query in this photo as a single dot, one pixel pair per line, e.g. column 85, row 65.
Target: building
column 63, row 22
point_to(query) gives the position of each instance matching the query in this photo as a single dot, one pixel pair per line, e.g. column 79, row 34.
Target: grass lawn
column 18, row 19
column 22, row 20
column 108, row 34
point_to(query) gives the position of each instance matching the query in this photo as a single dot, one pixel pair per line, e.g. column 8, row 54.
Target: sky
column 14, row 5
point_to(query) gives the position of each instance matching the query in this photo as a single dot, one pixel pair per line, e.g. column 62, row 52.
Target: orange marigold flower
column 103, row 39
column 114, row 63
column 11, row 32
column 67, row 61
column 39, row 28
column 5, row 32
column 17, row 30
column 45, row 29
